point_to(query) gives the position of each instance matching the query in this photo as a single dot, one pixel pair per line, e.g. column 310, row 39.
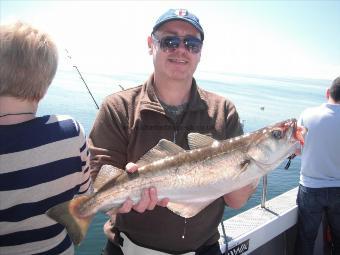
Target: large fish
column 190, row 179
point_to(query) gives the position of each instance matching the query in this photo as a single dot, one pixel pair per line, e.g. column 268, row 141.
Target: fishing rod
column 82, row 78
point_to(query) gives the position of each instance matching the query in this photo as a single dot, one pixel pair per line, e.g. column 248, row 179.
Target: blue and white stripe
column 43, row 162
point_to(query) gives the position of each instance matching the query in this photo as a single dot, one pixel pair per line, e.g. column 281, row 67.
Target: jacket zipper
column 175, row 133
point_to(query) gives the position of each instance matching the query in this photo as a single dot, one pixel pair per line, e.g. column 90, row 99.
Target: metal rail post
column 264, row 191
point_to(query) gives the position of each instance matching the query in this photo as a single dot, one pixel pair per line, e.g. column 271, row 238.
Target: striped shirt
column 43, row 162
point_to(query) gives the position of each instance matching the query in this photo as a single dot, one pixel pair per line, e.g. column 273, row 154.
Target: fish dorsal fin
column 106, row 173
column 187, row 210
column 197, row 140
column 163, row 149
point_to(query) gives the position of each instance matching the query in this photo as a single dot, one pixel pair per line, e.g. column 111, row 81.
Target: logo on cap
column 181, row 12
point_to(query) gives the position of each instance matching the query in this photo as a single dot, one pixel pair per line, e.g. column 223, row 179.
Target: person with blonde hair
column 43, row 159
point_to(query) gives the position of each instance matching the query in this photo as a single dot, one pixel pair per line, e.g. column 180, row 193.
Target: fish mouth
column 297, row 132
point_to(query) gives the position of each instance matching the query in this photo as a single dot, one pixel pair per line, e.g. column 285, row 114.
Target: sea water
column 259, row 100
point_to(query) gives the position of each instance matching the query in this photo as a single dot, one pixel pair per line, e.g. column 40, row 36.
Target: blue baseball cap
column 179, row 14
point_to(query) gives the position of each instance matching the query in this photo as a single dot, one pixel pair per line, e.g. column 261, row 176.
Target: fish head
column 271, row 145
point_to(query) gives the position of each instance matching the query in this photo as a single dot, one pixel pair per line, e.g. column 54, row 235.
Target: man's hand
column 149, row 198
column 107, row 228
column 148, row 201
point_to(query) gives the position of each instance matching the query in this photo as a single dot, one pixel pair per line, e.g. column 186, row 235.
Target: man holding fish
column 175, row 201
column 169, row 105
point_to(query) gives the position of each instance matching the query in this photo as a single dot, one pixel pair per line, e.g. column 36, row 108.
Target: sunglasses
column 171, row 43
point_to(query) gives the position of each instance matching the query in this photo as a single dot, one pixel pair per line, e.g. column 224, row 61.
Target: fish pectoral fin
column 187, row 210
column 163, row 149
column 197, row 140
column 106, row 173
column 245, row 163
column 243, row 167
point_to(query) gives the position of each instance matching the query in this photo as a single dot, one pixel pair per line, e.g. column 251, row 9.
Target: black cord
column 19, row 113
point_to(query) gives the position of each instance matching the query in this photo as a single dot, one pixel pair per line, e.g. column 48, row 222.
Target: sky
column 272, row 38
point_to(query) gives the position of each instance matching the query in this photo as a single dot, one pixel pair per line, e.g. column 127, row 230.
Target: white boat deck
column 255, row 227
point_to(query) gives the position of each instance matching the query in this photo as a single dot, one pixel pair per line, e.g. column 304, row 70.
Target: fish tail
column 67, row 214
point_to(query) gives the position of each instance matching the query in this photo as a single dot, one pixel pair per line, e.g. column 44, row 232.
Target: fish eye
column 277, row 134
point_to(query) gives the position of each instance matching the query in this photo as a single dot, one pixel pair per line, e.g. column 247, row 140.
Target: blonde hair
column 28, row 61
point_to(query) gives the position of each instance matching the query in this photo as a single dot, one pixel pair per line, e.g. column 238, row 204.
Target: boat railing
column 269, row 230
column 264, row 191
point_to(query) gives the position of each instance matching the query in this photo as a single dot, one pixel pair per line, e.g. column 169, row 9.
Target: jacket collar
column 149, row 100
